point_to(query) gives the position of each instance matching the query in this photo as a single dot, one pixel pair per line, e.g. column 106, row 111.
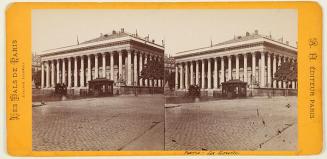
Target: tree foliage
column 287, row 71
column 153, row 70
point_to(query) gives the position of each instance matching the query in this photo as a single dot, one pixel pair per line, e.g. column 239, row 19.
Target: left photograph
column 98, row 81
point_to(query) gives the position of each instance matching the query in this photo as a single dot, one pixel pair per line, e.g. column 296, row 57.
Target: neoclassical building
column 119, row 56
column 253, row 58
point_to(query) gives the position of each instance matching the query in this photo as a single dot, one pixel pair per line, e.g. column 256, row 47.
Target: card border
column 18, row 29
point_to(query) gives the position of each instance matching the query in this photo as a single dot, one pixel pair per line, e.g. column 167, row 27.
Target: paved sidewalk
column 239, row 124
column 108, row 123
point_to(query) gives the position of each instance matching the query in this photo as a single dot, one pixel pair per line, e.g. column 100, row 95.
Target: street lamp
column 252, row 85
column 135, row 92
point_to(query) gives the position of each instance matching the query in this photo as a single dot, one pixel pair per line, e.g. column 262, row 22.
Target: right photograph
column 237, row 88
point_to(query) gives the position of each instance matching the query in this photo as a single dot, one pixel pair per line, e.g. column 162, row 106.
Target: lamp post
column 135, row 91
column 251, row 85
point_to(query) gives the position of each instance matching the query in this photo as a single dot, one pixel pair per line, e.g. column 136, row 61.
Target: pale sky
column 181, row 29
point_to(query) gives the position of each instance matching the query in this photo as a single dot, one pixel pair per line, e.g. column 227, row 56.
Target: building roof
column 106, row 37
column 114, row 35
column 239, row 39
column 247, row 37
column 118, row 34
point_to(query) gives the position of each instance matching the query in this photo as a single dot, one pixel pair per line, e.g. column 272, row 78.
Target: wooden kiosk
column 234, row 89
column 100, row 87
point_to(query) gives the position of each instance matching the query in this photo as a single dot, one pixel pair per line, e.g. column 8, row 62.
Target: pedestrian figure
column 264, row 123
column 278, row 132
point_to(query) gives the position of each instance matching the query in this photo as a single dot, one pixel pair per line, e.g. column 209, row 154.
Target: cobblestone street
column 108, row 123
column 259, row 123
column 137, row 123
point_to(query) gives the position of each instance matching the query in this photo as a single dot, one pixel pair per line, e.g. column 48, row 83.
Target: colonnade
column 119, row 66
column 256, row 68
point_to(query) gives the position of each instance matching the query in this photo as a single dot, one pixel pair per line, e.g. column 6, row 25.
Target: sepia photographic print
column 119, row 80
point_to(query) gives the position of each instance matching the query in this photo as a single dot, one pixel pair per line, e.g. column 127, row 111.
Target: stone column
column 279, row 63
column 69, row 72
column 150, row 81
column 229, row 67
column 274, row 70
column 63, row 73
column 89, row 71
column 215, row 74
column 48, row 74
column 52, row 74
column 162, row 81
column 103, row 65
column 42, row 74
column 222, row 75
column 155, row 81
column 237, row 66
column 129, row 68
column 58, row 70
column 120, row 64
column 176, row 76
column 284, row 83
column 140, row 67
column 192, row 73
column 145, row 62
column 269, row 70
column 96, row 66
column 75, row 72
column 202, row 75
column 181, row 86
column 209, row 73
column 111, row 66
column 82, row 72
column 253, row 67
column 135, row 69
column 293, row 82
column 197, row 72
column 245, row 67
column 186, row 75
column 262, row 70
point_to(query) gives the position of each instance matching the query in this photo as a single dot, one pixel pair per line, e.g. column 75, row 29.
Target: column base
column 48, row 88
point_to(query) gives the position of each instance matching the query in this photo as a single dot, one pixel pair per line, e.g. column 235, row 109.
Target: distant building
column 169, row 63
column 36, row 62
column 169, row 71
column 252, row 58
column 119, row 56
column 36, row 67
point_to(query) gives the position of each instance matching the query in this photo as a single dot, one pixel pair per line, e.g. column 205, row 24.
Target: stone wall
column 117, row 91
column 250, row 92
column 271, row 92
column 138, row 90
